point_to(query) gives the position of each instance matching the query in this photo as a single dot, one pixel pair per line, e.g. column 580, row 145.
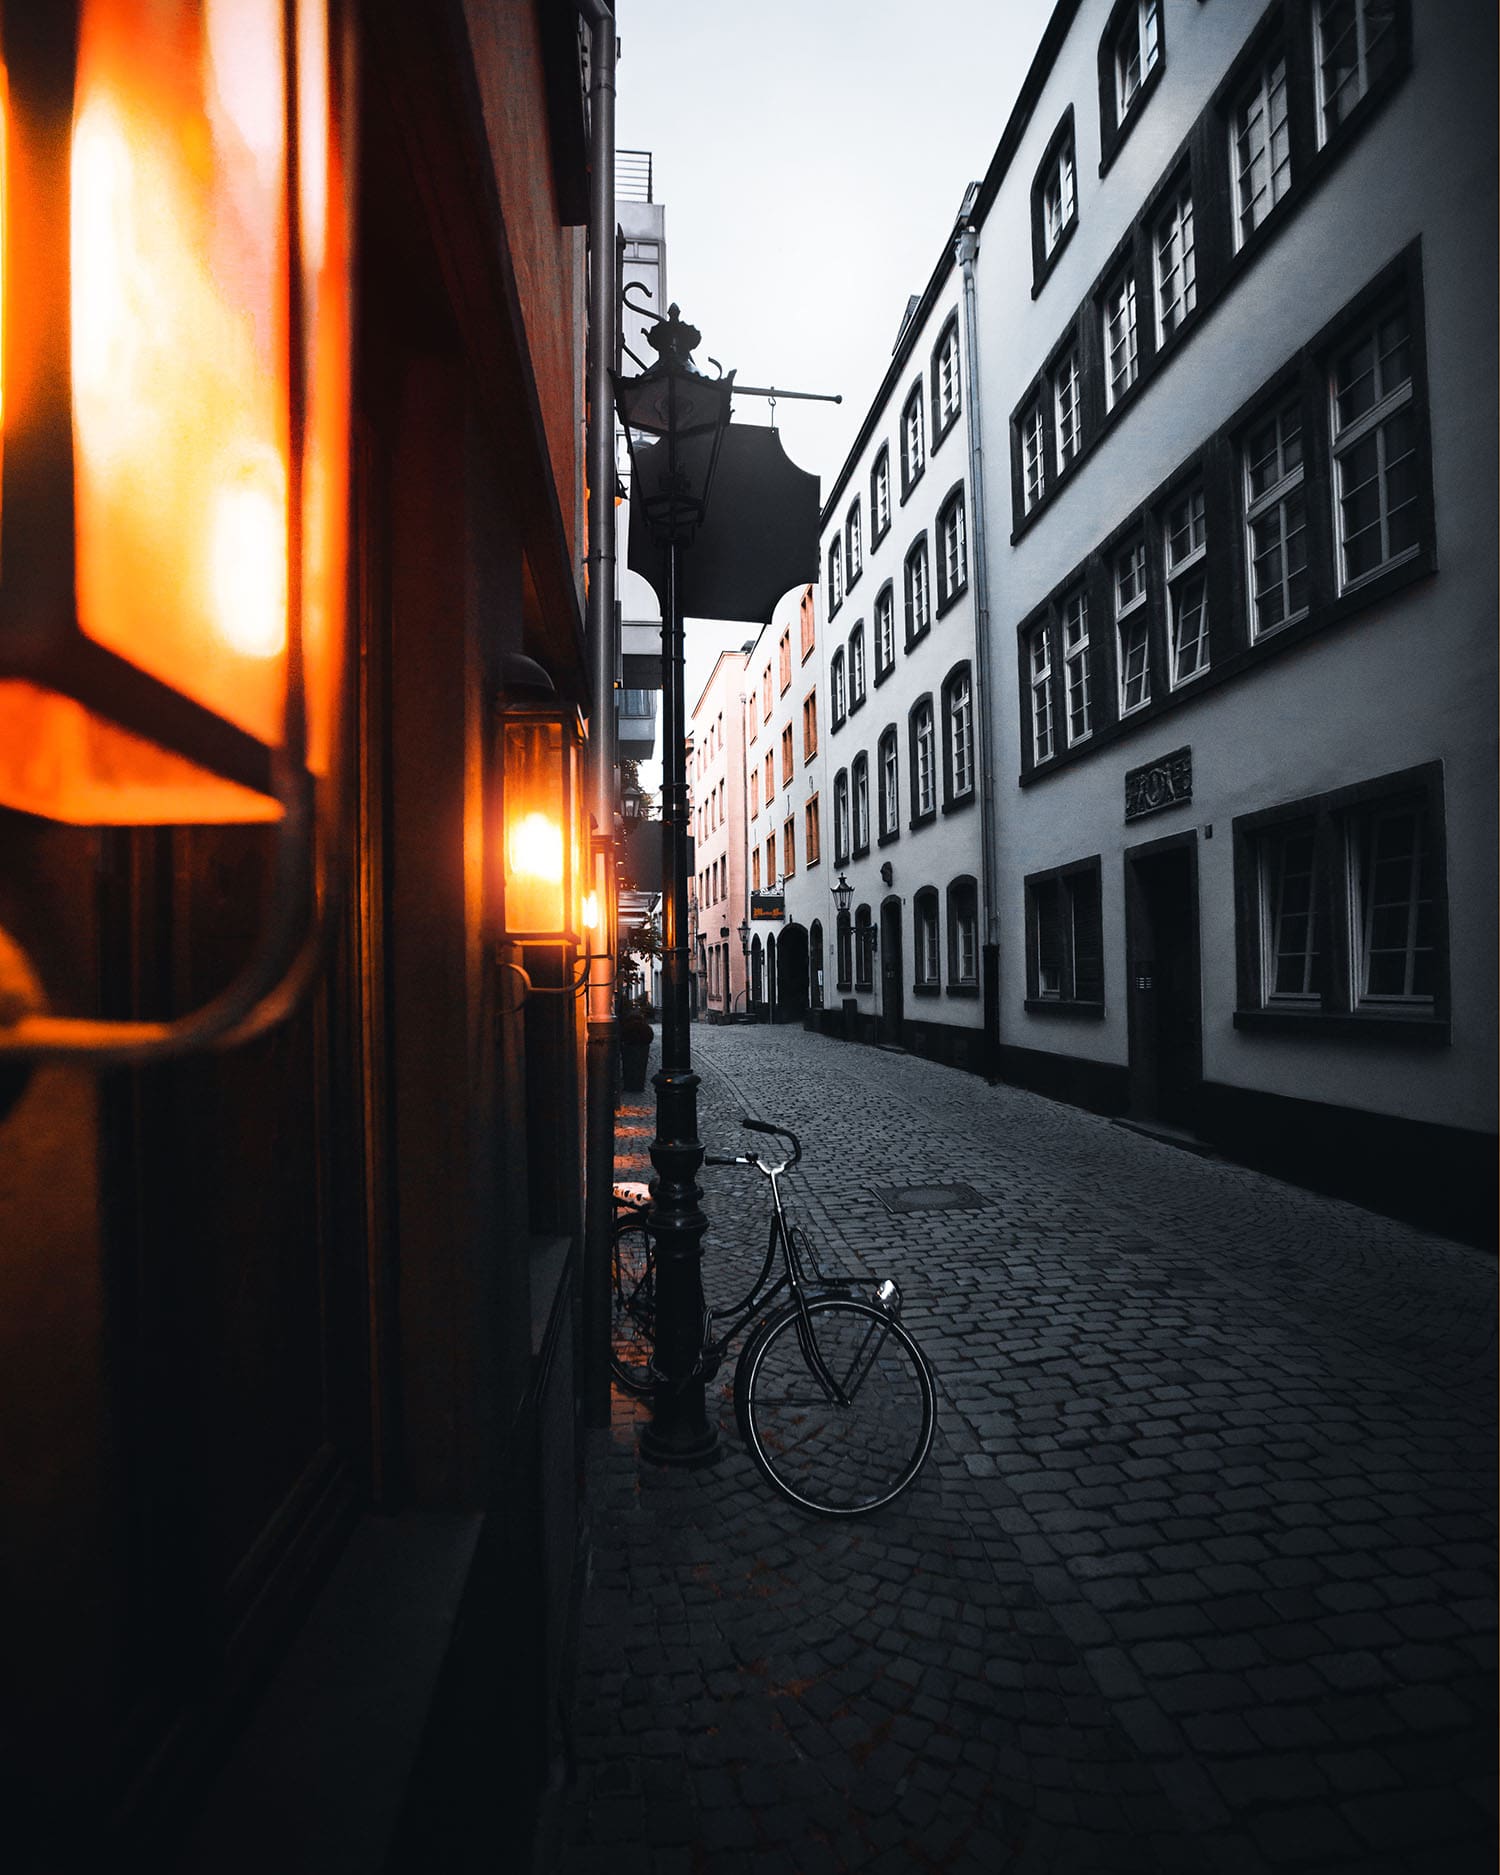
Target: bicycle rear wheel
column 838, row 1458
column 633, row 1303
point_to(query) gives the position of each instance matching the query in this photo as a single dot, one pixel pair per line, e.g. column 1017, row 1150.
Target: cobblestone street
column 1200, row 1575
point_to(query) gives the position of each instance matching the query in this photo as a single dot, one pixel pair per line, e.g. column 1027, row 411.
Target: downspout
column 966, row 249
column 603, row 657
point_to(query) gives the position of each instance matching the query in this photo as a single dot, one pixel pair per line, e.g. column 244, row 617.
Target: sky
column 811, row 156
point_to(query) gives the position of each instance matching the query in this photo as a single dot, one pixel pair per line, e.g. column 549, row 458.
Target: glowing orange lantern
column 174, row 396
column 542, row 889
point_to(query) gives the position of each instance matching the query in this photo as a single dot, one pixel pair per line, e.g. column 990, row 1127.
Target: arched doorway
column 891, row 971
column 792, row 974
column 757, row 971
column 772, row 987
column 815, row 962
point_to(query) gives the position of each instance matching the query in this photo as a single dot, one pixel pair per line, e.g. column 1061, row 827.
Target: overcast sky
column 812, row 156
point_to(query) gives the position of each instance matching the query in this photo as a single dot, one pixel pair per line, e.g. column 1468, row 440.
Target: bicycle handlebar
column 781, row 1132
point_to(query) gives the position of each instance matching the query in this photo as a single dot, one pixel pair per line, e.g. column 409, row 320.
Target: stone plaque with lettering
column 1166, row 782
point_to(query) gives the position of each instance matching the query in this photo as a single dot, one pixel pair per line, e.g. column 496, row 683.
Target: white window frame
column 1066, row 412
column 835, row 575
column 1121, row 339
column 1362, row 870
column 925, row 746
column 961, row 734
column 1132, row 627
column 838, row 698
column 955, row 565
column 1392, row 403
column 1187, row 576
column 880, row 494
column 913, row 454
column 889, row 752
column 854, row 531
column 885, row 631
column 947, row 377
column 1136, row 50
column 1282, row 500
column 859, row 787
column 963, row 912
column 1359, row 12
column 918, row 596
column 1175, row 259
column 857, row 665
column 1033, row 455
column 1271, row 856
column 925, row 909
column 1039, row 667
column 841, row 828
column 1260, row 149
column 1077, row 679
column 1059, row 196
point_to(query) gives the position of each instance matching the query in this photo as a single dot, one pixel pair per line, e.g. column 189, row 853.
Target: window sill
column 844, row 989
column 926, row 989
column 880, row 676
column 1365, row 1025
column 957, row 803
column 1043, row 271
column 946, row 602
column 889, row 839
column 861, row 851
column 921, row 820
column 1064, row 1006
column 962, row 989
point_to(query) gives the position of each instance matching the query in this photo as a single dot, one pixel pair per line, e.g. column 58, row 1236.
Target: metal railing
column 633, row 176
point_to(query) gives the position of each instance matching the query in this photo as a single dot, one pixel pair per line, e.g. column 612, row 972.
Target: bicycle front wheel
column 633, row 1304
column 836, row 1405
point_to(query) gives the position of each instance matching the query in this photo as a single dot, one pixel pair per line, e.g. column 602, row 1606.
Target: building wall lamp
column 175, row 307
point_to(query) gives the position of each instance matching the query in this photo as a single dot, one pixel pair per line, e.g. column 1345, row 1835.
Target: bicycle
column 833, row 1398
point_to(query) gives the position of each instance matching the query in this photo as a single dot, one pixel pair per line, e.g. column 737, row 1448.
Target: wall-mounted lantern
column 543, row 887
column 177, row 185
column 843, row 896
column 745, row 936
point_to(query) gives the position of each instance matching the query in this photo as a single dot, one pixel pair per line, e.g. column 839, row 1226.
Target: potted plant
column 635, row 1046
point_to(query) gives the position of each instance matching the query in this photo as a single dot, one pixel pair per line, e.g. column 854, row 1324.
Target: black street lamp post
column 674, row 420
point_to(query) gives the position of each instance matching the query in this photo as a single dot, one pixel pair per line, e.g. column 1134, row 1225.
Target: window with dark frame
column 1122, row 364
column 918, row 594
column 945, row 382
column 1174, row 258
column 953, row 562
column 1033, row 455
column 841, row 818
column 857, row 665
column 1078, row 677
column 1260, row 145
column 1065, row 938
column 925, row 932
column 963, row 934
column 1374, row 441
column 1135, row 49
column 1054, row 201
column 913, row 447
column 889, row 770
column 1066, row 411
column 854, row 541
column 835, row 576
column 859, row 785
column 1041, row 694
column 1275, row 519
column 838, row 696
column 1355, row 45
column 1132, row 627
column 864, row 949
column 885, row 632
column 880, row 495
column 922, row 735
column 1187, row 588
column 958, row 736
column 1341, row 910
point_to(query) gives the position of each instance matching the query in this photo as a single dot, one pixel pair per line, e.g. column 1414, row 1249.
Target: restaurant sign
column 767, row 905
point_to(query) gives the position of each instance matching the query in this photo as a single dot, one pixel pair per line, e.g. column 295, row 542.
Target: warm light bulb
column 536, row 849
column 591, row 911
column 247, row 557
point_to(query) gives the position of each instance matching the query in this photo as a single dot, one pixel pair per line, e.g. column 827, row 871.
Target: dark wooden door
column 891, row 969
column 1166, row 1040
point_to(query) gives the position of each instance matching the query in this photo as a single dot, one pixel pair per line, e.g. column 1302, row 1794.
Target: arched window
column 857, row 666
column 953, row 552
column 880, row 495
column 925, row 936
column 838, row 707
column 890, row 785
column 922, row 775
column 864, row 949
column 945, row 397
column 958, row 736
column 835, row 576
column 963, row 934
column 860, row 784
column 854, row 541
column 918, row 593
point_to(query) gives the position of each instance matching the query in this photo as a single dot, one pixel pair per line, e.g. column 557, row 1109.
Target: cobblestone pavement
column 1201, row 1575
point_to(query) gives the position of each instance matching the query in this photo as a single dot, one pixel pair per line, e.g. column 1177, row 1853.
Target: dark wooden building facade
column 288, row 1396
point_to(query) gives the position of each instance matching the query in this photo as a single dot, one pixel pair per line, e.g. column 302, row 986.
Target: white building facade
column 1236, row 291
column 717, row 769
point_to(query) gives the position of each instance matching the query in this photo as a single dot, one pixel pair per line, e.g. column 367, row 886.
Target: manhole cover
column 927, row 1197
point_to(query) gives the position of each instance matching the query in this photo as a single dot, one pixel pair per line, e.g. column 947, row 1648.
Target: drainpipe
column 966, row 249
column 603, row 657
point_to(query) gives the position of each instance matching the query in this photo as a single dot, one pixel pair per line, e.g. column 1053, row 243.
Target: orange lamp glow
column 542, row 886
column 174, row 396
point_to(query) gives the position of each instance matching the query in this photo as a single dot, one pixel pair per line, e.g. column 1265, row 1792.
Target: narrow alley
column 1200, row 1575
